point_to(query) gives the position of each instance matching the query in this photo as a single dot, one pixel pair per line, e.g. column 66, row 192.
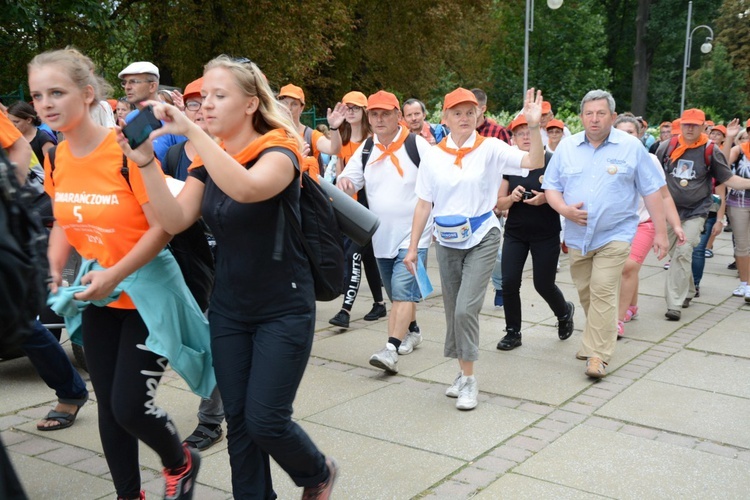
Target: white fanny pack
column 458, row 228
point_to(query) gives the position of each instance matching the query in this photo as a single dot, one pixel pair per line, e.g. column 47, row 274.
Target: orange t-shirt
column 9, row 134
column 347, row 151
column 101, row 215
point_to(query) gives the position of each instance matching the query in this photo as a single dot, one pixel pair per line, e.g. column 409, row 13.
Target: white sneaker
column 740, row 291
column 452, row 391
column 467, row 395
column 412, row 340
column 386, row 359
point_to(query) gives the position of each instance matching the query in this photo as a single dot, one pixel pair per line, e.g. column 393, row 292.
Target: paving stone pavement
column 669, row 421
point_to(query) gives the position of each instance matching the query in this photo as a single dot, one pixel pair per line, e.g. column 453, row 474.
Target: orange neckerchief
column 392, row 148
column 460, row 152
column 682, row 147
column 274, row 138
column 745, row 148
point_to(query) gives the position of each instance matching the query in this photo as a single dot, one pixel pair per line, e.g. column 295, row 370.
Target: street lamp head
column 706, row 47
column 554, row 4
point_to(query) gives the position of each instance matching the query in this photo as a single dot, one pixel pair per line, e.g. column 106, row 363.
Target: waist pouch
column 458, row 228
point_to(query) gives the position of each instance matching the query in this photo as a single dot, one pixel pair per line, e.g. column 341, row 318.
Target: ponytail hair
column 79, row 68
column 270, row 114
column 24, row 111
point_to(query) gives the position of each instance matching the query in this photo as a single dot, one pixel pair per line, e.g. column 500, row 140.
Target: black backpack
column 410, row 143
column 24, row 269
column 320, row 236
column 190, row 250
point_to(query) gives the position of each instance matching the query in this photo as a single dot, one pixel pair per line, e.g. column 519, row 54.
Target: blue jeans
column 699, row 252
column 52, row 364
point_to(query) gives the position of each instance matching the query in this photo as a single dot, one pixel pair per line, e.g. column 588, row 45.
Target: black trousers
column 357, row 257
column 544, row 255
column 258, row 368
column 125, row 375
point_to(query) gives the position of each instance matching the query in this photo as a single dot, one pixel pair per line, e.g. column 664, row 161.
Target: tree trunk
column 642, row 63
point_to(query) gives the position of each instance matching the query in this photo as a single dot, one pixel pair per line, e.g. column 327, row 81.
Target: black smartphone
column 139, row 128
column 527, row 195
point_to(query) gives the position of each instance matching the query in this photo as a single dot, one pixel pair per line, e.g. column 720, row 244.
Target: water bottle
column 330, row 173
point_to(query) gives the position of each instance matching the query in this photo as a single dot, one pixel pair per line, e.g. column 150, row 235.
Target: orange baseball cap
column 292, row 91
column 193, row 88
column 555, row 123
column 664, row 124
column 747, row 126
column 356, row 98
column 693, row 116
column 459, row 96
column 112, row 103
column 710, row 123
column 383, row 100
column 721, row 128
column 676, row 126
column 546, row 107
column 517, row 122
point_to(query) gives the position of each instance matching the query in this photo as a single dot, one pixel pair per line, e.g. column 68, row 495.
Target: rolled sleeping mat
column 356, row 221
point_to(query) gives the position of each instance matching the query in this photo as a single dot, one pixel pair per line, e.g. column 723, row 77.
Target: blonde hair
column 271, row 114
column 80, row 69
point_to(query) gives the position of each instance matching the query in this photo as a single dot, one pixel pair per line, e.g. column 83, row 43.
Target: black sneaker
column 180, row 482
column 565, row 323
column 378, row 311
column 511, row 340
column 341, row 319
column 732, row 266
column 204, row 436
column 697, row 292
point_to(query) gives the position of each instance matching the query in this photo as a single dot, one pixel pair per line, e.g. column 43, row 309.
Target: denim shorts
column 399, row 283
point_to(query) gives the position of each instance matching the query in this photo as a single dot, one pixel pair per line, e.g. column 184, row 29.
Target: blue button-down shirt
column 608, row 180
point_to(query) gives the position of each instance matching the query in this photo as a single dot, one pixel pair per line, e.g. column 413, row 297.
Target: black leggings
column 125, row 375
column 544, row 255
column 356, row 256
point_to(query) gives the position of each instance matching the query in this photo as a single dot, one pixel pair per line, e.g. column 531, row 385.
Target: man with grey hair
column 594, row 180
column 141, row 83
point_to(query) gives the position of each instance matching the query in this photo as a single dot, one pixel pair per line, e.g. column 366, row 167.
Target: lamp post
column 705, row 48
column 552, row 4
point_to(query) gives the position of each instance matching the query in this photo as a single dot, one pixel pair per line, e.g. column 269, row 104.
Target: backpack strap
column 125, row 171
column 671, row 147
column 51, row 155
column 708, row 153
column 367, row 151
column 411, row 148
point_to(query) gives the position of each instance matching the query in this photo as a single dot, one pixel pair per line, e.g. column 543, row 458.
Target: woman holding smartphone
column 110, row 223
column 262, row 310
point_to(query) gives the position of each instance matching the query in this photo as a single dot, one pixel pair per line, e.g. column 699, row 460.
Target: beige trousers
column 597, row 278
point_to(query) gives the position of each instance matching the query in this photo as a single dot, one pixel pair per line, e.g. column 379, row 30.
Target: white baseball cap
column 140, row 67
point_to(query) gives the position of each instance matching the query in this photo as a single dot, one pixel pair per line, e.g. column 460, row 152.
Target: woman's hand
column 733, row 128
column 141, row 155
column 517, row 194
column 532, row 108
column 55, row 281
column 101, row 284
column 173, row 120
column 336, row 117
column 537, row 200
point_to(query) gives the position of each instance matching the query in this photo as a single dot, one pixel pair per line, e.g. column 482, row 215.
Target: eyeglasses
column 133, row 81
column 352, row 107
column 193, row 105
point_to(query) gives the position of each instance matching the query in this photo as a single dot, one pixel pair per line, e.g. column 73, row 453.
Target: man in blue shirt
column 594, row 180
column 141, row 83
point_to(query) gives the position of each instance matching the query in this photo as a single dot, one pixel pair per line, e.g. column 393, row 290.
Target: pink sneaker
column 631, row 313
column 620, row 329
